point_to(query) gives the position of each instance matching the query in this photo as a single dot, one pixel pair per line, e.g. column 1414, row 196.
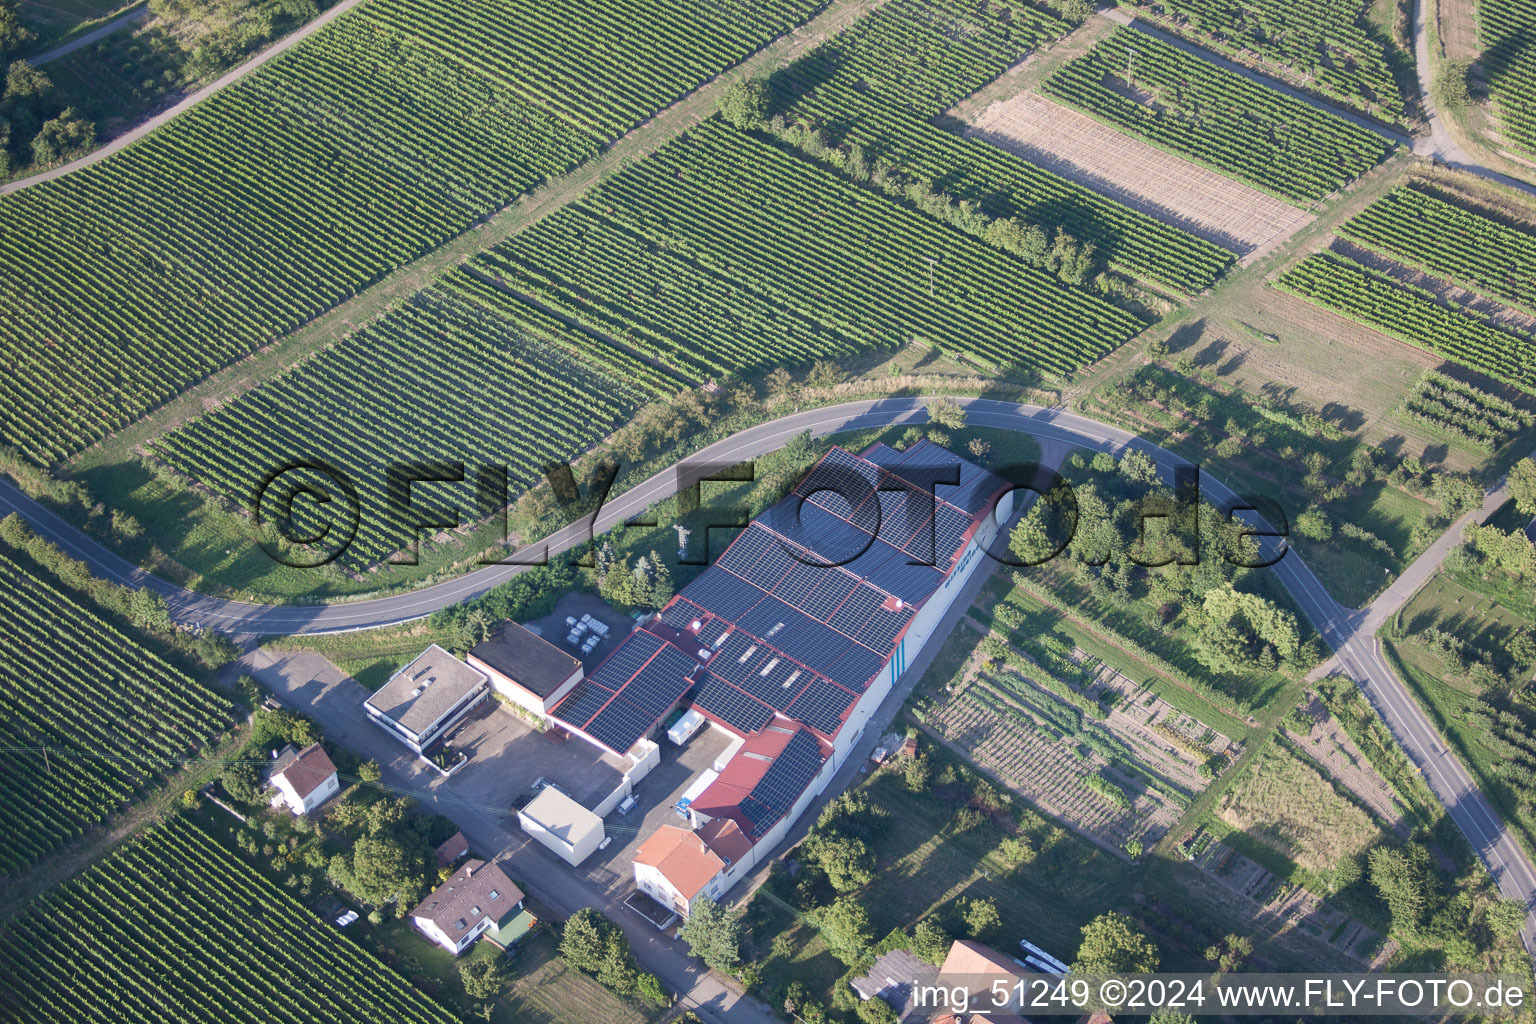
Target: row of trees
column 596, row 946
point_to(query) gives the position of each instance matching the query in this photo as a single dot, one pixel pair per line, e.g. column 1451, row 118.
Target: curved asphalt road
column 1350, row 632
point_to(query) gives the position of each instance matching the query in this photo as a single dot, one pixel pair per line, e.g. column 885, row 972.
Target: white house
column 677, row 866
column 428, row 697
column 562, row 825
column 526, row 669
column 479, row 899
column 303, row 780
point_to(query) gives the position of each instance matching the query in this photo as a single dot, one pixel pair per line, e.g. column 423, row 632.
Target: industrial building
column 525, row 668
column 425, row 699
column 797, row 633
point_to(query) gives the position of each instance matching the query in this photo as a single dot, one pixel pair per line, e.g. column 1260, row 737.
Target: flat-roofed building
column 525, row 668
column 425, row 699
column 562, row 825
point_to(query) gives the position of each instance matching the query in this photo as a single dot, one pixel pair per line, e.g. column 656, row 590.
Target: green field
column 113, row 711
column 172, row 927
column 1216, row 117
column 283, row 195
column 1509, row 60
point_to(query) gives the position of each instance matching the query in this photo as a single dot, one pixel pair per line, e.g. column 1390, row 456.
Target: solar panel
column 661, row 683
column 790, row 630
column 911, row 583
column 783, row 782
column 722, row 700
column 879, row 632
column 711, row 631
column 855, row 668
column 856, row 610
column 679, row 614
column 776, row 683
column 633, row 652
column 829, row 539
column 821, row 706
column 739, row 656
column 746, row 551
column 815, row 590
column 583, row 702
column 948, row 534
column 726, row 595
column 904, row 514
column 619, row 725
column 883, row 455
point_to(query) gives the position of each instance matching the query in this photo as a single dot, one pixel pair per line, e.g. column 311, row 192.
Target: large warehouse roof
column 804, row 608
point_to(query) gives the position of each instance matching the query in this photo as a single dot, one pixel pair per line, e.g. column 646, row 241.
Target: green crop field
column 71, row 681
column 462, row 371
column 1341, row 54
column 1427, row 233
column 1216, row 117
column 365, row 146
column 1411, row 315
column 881, row 84
column 1509, row 59
column 173, row 928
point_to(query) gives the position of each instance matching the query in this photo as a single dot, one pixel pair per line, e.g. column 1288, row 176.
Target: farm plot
column 354, row 152
column 1328, row 45
column 1216, row 117
column 1414, row 316
column 172, row 927
column 1330, row 747
column 1287, row 804
column 880, row 85
column 1421, row 230
column 855, row 260
column 115, row 712
column 1138, row 174
column 462, row 372
column 1509, row 60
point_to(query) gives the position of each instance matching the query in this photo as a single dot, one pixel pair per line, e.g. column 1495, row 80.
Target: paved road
column 192, row 99
column 1348, row 631
column 115, row 25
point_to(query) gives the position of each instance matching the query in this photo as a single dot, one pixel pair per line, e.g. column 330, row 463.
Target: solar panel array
column 781, row 785
column 801, row 611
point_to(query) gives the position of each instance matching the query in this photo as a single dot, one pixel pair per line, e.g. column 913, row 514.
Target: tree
column 13, row 34
column 946, row 412
column 582, row 939
column 24, row 82
column 824, row 374
column 745, row 103
column 1402, row 878
column 930, row 941
column 661, row 581
column 146, row 609
column 981, row 919
column 1228, row 954
column 1171, row 1017
column 482, row 978
column 847, row 860
column 845, row 927
column 616, row 969
column 713, row 935
column 1074, row 11
column 1506, row 917
column 779, row 382
column 1522, row 486
column 1138, row 467
column 1111, row 946
column 63, row 138
column 1314, row 524
column 383, row 868
column 650, row 989
column 875, row 1011
column 369, row 771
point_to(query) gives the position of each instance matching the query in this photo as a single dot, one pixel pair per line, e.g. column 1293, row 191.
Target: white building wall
column 572, row 854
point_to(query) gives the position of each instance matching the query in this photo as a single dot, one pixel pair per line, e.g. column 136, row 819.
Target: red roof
column 308, row 771
column 456, row 847
column 725, row 796
column 682, row 858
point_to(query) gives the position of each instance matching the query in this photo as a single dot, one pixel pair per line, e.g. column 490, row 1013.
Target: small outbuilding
column 562, row 824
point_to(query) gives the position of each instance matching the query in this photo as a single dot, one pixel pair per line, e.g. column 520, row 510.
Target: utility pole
column 1130, row 51
column 933, row 261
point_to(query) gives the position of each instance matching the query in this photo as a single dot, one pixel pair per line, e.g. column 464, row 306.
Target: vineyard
column 1509, row 59
column 284, row 194
column 463, row 371
column 1484, row 420
column 1156, row 92
column 172, row 928
column 855, row 261
column 1414, row 316
column 1328, row 44
column 115, row 714
column 1427, row 233
column 880, row 85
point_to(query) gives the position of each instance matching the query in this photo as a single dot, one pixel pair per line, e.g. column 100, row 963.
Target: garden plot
column 1171, row 742
column 1025, row 737
column 1288, row 805
column 1331, row 748
column 1139, row 174
column 1275, row 907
